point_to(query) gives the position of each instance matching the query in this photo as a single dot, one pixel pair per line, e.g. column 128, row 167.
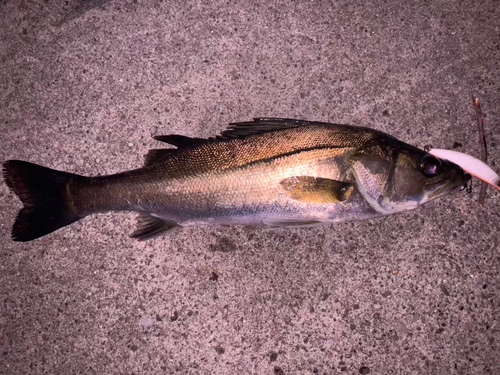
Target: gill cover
column 386, row 186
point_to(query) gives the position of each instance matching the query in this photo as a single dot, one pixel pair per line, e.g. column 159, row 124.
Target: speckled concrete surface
column 84, row 86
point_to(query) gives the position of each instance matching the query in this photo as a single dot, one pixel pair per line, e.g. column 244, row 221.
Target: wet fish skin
column 276, row 172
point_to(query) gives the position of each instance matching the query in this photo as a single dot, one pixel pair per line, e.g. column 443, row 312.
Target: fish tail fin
column 44, row 194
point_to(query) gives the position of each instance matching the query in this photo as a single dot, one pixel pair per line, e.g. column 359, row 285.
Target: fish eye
column 430, row 166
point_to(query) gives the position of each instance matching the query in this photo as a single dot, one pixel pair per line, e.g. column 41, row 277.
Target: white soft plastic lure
column 470, row 164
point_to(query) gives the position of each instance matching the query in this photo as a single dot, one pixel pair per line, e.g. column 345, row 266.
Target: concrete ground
column 85, row 84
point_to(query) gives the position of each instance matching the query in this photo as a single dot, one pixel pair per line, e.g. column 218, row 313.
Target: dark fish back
column 218, row 155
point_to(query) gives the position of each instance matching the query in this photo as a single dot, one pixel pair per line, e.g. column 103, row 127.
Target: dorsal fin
column 235, row 130
column 179, row 141
column 262, row 125
column 158, row 155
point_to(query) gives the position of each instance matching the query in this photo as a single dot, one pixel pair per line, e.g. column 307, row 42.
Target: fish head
column 394, row 176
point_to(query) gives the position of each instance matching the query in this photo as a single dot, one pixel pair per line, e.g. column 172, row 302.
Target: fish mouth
column 456, row 184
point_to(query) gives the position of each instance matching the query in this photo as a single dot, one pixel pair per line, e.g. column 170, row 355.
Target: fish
column 266, row 172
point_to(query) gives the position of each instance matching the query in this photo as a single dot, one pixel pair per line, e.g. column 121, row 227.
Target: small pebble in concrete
column 146, row 321
column 220, row 350
column 174, row 317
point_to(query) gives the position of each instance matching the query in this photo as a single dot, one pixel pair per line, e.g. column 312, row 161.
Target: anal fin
column 149, row 226
column 297, row 223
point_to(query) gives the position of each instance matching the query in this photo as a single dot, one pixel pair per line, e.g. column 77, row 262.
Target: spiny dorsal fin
column 149, row 226
column 179, row 141
column 316, row 190
column 262, row 125
column 158, row 155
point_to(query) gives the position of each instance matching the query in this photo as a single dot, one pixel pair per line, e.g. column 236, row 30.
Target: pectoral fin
column 149, row 226
column 317, row 190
